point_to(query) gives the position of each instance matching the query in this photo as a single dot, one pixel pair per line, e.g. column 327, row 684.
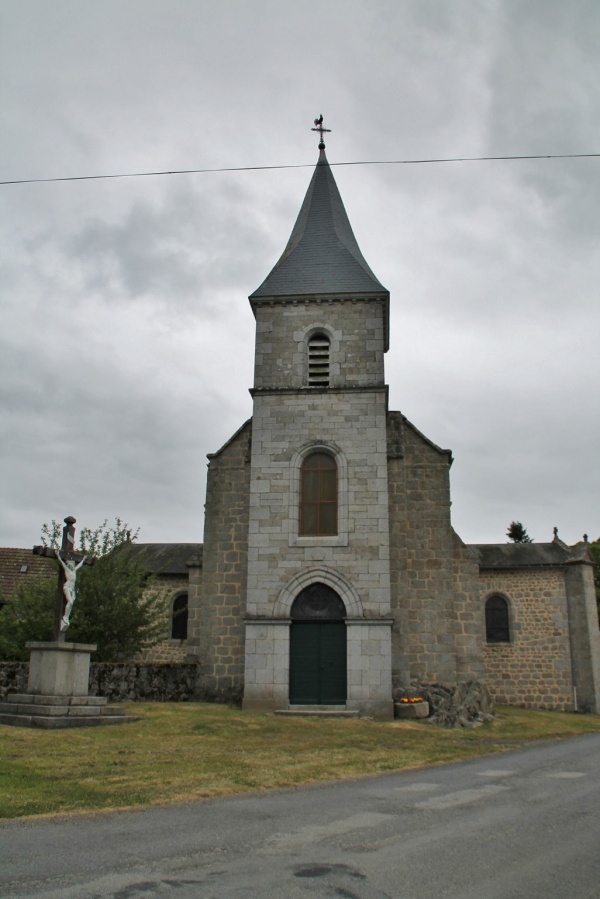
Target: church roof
column 526, row 555
column 322, row 256
column 167, row 558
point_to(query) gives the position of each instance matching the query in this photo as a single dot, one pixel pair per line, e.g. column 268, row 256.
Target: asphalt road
column 522, row 824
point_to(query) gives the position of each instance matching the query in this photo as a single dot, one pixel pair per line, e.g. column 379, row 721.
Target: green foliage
column 117, row 606
column 27, row 615
column 98, row 542
column 517, row 533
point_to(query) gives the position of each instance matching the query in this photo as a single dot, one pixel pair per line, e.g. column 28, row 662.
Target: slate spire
column 322, row 256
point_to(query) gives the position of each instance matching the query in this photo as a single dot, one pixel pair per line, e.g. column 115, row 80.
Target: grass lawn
column 184, row 751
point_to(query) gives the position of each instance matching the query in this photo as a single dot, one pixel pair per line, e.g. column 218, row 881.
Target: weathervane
column 321, row 130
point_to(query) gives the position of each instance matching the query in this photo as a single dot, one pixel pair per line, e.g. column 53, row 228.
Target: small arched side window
column 318, row 496
column 179, row 619
column 318, row 360
column 497, row 625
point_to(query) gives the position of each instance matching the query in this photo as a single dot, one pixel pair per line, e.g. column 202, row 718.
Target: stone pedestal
column 57, row 691
column 59, row 669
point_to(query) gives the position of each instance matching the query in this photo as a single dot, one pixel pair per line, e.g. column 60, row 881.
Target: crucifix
column 70, row 562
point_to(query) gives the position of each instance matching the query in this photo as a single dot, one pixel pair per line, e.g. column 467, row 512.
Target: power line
column 307, row 165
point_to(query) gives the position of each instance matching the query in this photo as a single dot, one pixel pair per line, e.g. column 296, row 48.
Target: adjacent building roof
column 528, row 555
column 322, row 256
column 18, row 565
column 168, row 558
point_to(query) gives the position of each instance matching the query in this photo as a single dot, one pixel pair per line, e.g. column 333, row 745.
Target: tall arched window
column 318, row 496
column 318, row 360
column 497, row 626
column 179, row 620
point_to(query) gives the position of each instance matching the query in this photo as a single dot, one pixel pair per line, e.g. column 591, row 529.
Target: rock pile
column 466, row 704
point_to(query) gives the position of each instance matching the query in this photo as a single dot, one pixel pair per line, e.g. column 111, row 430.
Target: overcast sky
column 126, row 335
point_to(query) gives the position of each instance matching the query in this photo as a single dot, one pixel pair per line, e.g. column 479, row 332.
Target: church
column 330, row 574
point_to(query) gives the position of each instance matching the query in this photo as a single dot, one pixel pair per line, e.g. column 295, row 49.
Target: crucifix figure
column 70, row 562
column 70, row 569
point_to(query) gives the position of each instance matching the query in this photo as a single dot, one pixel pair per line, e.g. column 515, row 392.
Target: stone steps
column 38, row 710
column 317, row 711
column 23, row 708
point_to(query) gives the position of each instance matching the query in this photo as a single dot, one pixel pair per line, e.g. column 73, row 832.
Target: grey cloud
column 126, row 335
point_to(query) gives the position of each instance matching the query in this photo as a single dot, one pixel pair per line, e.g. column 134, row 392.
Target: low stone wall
column 138, row 682
column 127, row 682
column 13, row 677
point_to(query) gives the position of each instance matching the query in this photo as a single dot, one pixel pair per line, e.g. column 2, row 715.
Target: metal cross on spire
column 321, row 130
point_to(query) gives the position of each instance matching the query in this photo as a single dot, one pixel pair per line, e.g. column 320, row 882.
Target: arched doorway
column 318, row 648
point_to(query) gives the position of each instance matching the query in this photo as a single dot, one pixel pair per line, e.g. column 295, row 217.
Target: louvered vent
column 318, row 361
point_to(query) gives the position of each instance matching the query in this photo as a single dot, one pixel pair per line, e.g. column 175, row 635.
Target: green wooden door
column 318, row 663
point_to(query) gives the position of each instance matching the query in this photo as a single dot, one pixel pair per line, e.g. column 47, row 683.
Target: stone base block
column 59, row 669
column 411, row 710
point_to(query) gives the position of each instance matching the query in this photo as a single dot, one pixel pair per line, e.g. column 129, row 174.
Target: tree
column 118, row 607
column 517, row 533
column 27, row 614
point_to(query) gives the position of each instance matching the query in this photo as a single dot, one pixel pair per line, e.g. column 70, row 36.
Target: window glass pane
column 310, row 486
column 328, row 486
column 326, row 461
column 311, row 462
column 308, row 519
column 328, row 519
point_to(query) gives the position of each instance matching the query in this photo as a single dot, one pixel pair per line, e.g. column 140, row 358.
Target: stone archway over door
column 318, row 648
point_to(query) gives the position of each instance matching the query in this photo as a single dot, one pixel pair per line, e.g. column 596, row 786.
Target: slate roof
column 322, row 256
column 13, row 559
column 525, row 555
column 167, row 558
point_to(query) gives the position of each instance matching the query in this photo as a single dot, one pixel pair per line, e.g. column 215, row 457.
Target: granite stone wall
column 355, row 329
column 167, row 651
column 13, row 678
column 534, row 670
column 434, row 576
column 352, row 426
column 218, row 593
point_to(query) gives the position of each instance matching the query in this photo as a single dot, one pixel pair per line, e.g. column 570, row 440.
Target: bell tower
column 318, row 503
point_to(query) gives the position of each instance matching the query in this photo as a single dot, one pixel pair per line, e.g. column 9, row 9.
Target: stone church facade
column 330, row 573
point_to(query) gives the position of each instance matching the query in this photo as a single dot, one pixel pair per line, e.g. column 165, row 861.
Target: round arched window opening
column 497, row 622
column 318, row 496
column 318, row 360
column 179, row 619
